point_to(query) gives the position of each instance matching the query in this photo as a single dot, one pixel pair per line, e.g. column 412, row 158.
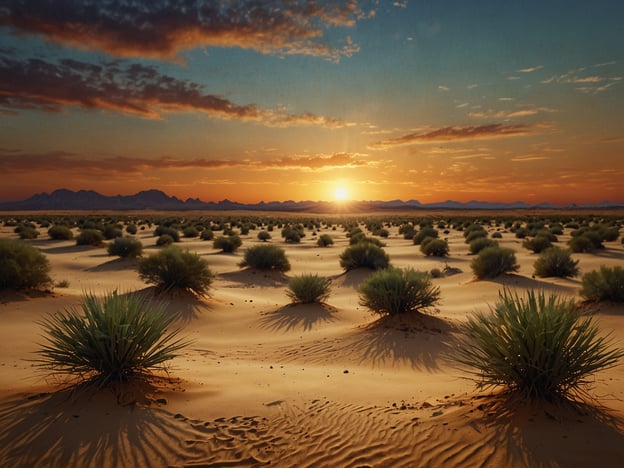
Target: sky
column 251, row 100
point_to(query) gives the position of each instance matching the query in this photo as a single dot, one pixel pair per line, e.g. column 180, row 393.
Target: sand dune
column 268, row 382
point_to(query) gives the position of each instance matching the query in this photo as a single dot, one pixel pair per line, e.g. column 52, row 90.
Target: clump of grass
column 494, row 261
column 479, row 243
column 537, row 244
column 325, row 240
column 538, row 347
column 264, row 236
column 125, row 247
column 557, row 262
column 606, row 284
column 22, row 266
column 227, row 244
column 175, row 269
column 395, row 291
column 266, row 257
column 434, row 247
column 115, row 338
column 308, row 288
column 93, row 237
column 60, row 232
column 364, row 255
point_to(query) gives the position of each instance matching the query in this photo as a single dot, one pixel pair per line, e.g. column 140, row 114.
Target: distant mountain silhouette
column 88, row 200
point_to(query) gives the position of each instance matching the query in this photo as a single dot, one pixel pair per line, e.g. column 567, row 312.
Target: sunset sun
column 341, row 194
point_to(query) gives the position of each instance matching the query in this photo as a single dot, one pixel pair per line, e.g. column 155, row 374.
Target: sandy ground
column 266, row 382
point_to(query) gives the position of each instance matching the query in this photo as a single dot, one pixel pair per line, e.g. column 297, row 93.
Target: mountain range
column 89, row 200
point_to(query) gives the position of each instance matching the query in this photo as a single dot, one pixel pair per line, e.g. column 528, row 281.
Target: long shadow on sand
column 420, row 340
column 512, row 281
column 184, row 305
column 250, row 277
column 541, row 434
column 298, row 316
column 117, row 264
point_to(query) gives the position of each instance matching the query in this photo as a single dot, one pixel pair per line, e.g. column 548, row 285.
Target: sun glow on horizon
column 341, row 194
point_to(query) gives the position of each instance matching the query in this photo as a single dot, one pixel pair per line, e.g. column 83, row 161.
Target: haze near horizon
column 311, row 100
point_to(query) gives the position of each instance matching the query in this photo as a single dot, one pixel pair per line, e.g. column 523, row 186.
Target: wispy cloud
column 129, row 88
column 530, row 69
column 529, row 158
column 450, row 134
column 14, row 161
column 511, row 114
column 591, row 83
column 162, row 29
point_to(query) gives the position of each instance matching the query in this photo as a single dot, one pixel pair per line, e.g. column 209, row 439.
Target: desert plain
column 267, row 382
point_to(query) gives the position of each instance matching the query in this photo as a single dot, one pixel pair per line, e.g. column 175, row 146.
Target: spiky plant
column 540, row 347
column 394, row 291
column 115, row 338
column 308, row 288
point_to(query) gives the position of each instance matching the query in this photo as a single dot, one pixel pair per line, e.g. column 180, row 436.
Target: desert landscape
column 269, row 382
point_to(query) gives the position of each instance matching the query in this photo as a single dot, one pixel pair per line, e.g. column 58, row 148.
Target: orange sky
column 382, row 100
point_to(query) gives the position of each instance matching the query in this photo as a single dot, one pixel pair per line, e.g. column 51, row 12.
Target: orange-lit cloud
column 162, row 29
column 128, row 88
column 449, row 134
column 510, row 114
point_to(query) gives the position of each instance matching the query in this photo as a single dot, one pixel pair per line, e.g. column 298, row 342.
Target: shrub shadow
column 117, row 264
column 183, row 304
column 511, row 280
column 420, row 340
column 545, row 434
column 85, row 428
column 254, row 277
column 298, row 316
column 352, row 278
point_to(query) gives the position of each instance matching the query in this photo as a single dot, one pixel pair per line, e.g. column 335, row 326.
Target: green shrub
column 293, row 234
column 364, row 255
column 125, row 247
column 227, row 244
column 22, row 266
column 207, row 235
column 478, row 244
column 475, row 234
column 536, row 346
column 434, row 247
column 581, row 244
column 28, row 233
column 168, row 230
column 606, row 284
column 497, row 235
column 394, row 291
column 556, row 262
column 190, row 232
column 494, row 261
column 537, row 244
column 362, row 238
column 131, row 229
column 60, row 232
column 308, row 288
column 90, row 237
column 325, row 240
column 266, row 257
column 115, row 338
column 165, row 239
column 175, row 269
column 423, row 234
column 264, row 236
column 112, row 231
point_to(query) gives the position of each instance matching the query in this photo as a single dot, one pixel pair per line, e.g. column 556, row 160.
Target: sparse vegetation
column 125, row 247
column 364, row 255
column 434, row 247
column 605, row 284
column 308, row 288
column 92, row 237
column 115, row 338
column 539, row 347
column 174, row 269
column 494, row 261
column 227, row 244
column 266, row 257
column 556, row 261
column 325, row 240
column 60, row 232
column 394, row 291
column 22, row 266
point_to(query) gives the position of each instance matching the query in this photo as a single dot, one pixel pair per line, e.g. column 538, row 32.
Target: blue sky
column 251, row 101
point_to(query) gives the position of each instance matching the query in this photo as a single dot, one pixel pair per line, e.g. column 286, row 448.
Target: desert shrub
column 264, row 236
column 394, row 291
column 308, row 288
column 227, row 244
column 355, row 237
column 475, row 234
column 581, row 244
column 557, row 262
column 497, row 235
column 383, row 232
column 324, row 240
column 111, row 231
column 480, row 243
column 125, row 247
column 207, row 234
column 90, row 237
column 407, row 230
column 168, row 230
column 190, row 232
column 293, row 234
column 22, row 266
column 436, row 273
column 60, row 232
column 175, row 269
column 537, row 244
column 605, row 284
column 266, row 257
column 434, row 247
column 536, row 346
column 423, row 234
column 364, row 255
column 28, row 233
column 494, row 261
column 131, row 229
column 165, row 239
column 115, row 338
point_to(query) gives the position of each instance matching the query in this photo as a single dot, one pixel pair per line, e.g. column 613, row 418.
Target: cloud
column 592, row 83
column 443, row 88
column 530, row 69
column 162, row 29
column 450, row 134
column 15, row 161
column 129, row 88
column 510, row 114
